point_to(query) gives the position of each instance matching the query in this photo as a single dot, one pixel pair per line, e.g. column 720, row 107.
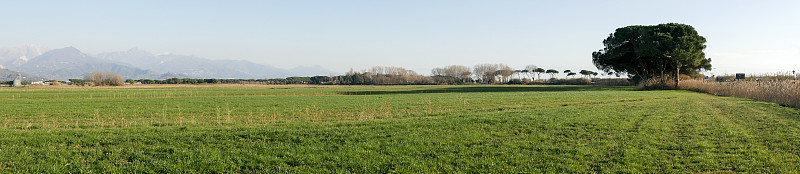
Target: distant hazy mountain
column 205, row 68
column 133, row 57
column 12, row 57
column 8, row 75
column 68, row 63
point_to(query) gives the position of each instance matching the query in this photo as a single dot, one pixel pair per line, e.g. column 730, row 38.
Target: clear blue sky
column 743, row 36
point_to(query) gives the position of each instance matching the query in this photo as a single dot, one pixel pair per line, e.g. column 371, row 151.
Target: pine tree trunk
column 677, row 75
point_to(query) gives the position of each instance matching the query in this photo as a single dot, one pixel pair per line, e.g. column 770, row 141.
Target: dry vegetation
column 784, row 92
column 764, row 76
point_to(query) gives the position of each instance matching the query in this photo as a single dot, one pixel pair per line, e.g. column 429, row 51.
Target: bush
column 515, row 82
column 113, row 79
column 656, row 84
column 78, row 82
column 579, row 81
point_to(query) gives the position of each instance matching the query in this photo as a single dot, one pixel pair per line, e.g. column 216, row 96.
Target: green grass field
column 381, row 129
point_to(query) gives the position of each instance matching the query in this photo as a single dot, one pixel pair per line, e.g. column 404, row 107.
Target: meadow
column 383, row 129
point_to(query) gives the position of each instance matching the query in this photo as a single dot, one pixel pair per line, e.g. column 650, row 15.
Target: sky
column 743, row 36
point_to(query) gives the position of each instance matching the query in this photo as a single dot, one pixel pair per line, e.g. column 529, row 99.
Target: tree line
column 100, row 79
column 275, row 81
column 114, row 79
column 378, row 75
column 454, row 74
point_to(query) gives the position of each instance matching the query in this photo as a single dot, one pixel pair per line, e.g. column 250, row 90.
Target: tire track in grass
column 700, row 140
column 609, row 127
column 775, row 135
column 714, row 139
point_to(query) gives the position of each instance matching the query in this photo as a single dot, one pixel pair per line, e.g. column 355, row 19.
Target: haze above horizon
column 743, row 36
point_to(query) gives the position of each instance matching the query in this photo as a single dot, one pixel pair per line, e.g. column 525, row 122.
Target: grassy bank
column 378, row 129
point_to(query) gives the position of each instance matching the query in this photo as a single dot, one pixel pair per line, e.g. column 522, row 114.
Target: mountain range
column 8, row 75
column 70, row 63
column 15, row 56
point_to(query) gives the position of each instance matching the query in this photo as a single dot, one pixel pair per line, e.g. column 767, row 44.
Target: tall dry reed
column 784, row 92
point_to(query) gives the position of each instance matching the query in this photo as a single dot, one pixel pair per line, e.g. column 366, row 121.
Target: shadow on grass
column 471, row 89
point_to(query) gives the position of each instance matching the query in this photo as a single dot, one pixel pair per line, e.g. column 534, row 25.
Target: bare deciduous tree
column 459, row 72
column 113, row 79
column 530, row 69
column 95, row 77
column 505, row 72
column 102, row 79
column 485, row 72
